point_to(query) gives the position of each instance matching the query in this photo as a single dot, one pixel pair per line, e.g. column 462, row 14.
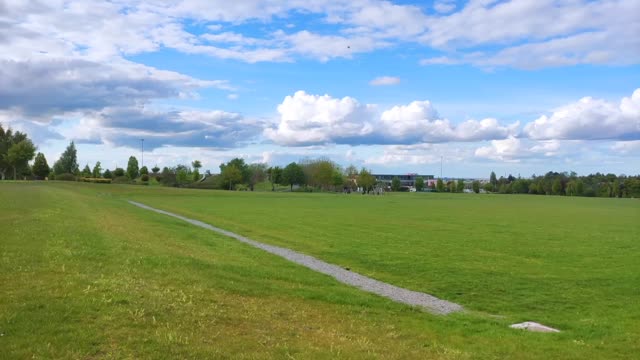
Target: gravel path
column 426, row 301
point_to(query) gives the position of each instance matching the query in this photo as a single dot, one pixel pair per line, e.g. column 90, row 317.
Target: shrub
column 96, row 180
column 144, row 177
column 120, row 180
column 118, row 172
column 65, row 177
column 241, row 187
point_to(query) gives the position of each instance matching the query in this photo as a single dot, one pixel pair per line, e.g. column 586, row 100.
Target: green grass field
column 86, row 275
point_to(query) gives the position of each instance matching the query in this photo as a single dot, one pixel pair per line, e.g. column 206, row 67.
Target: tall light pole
column 142, row 153
column 441, row 157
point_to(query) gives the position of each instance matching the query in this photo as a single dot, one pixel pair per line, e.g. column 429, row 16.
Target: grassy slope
column 84, row 274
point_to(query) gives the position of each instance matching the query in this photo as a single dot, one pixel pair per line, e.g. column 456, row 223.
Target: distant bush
column 144, row 178
column 118, row 172
column 96, row 180
column 65, row 177
column 120, row 180
column 241, row 187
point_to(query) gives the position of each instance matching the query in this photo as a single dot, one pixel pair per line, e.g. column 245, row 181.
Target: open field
column 86, row 275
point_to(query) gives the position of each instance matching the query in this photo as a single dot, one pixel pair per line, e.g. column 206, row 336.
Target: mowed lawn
column 83, row 274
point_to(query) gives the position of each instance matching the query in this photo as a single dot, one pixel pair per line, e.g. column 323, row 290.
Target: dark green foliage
column 419, row 183
column 476, row 186
column 155, row 169
column 144, row 171
column 107, row 174
column 121, row 180
column 231, row 176
column 19, row 155
column 118, row 172
column 293, row 174
column 440, row 185
column 144, row 177
column 275, row 176
column 366, row 180
column 97, row 170
column 65, row 177
column 68, row 162
column 460, row 186
column 86, row 172
column 96, row 180
column 7, row 139
column 239, row 164
column 395, row 184
column 40, row 167
column 132, row 167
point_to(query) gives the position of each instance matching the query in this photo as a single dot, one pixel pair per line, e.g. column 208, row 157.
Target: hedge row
column 96, row 180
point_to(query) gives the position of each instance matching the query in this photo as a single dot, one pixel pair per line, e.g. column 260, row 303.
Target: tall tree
column 107, row 174
column 144, row 170
column 366, row 180
column 7, row 139
column 440, row 185
column 275, row 176
column 20, row 154
column 68, row 162
column 132, row 167
column 476, row 186
column 40, row 166
column 293, row 175
column 460, row 186
column 395, row 184
column 97, row 170
column 493, row 181
column 86, row 172
column 231, row 176
column 419, row 183
column 257, row 174
column 240, row 165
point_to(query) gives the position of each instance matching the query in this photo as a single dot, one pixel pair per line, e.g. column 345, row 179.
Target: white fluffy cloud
column 590, row 119
column 312, row 119
column 385, row 80
column 513, row 149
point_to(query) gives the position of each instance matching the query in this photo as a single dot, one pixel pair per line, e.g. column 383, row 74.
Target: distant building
column 406, row 180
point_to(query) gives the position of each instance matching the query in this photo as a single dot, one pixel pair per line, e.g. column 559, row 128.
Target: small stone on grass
column 533, row 326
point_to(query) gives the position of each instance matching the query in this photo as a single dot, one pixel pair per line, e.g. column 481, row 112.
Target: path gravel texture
column 401, row 295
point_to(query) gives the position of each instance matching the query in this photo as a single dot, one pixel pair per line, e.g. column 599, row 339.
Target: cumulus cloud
column 125, row 126
column 46, row 86
column 514, row 149
column 312, row 119
column 627, row 147
column 590, row 119
column 385, row 80
column 418, row 154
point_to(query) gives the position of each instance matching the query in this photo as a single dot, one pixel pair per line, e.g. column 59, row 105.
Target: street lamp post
column 142, row 153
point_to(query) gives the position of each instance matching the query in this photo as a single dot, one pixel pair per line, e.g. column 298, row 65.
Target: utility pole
column 142, row 153
column 441, row 157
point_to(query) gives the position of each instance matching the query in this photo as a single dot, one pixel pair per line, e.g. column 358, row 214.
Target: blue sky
column 518, row 87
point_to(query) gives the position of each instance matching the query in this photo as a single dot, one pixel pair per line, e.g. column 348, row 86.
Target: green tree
column 118, row 172
column 493, row 181
column 257, row 174
column 68, row 162
column 107, row 174
column 451, row 186
column 488, row 187
column 240, row 165
column 86, row 172
column 40, row 167
column 395, row 184
column 20, row 154
column 231, row 176
column 419, row 183
column 366, row 180
column 275, row 176
column 440, row 185
column 476, row 186
column 132, row 167
column 293, row 174
column 182, row 175
column 338, row 180
column 556, row 188
column 155, row 169
column 7, row 139
column 144, row 170
column 97, row 170
column 460, row 186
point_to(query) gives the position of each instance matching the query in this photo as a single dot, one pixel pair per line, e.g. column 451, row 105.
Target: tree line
column 567, row 184
column 322, row 174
